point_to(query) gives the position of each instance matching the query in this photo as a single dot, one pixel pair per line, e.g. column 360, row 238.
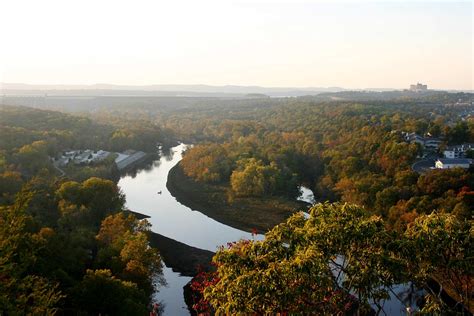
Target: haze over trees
column 117, row 174
column 66, row 238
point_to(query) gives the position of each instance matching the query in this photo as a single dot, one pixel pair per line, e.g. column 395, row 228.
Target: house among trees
column 458, row 151
column 427, row 142
column 82, row 157
column 447, row 163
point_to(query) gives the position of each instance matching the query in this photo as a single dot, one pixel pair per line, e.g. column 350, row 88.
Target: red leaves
column 340, row 301
column 198, row 284
column 156, row 310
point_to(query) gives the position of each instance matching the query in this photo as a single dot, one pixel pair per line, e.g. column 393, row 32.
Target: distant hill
column 256, row 95
column 159, row 90
column 227, row 91
column 429, row 96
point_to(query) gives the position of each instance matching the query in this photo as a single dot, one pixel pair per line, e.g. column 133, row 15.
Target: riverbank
column 186, row 260
column 181, row 258
column 245, row 214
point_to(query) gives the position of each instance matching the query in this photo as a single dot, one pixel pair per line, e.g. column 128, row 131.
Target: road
column 60, row 170
column 423, row 166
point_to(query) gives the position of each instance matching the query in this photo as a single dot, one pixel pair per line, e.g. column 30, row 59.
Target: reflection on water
column 170, row 297
column 306, row 195
column 174, row 220
column 169, row 217
column 401, row 297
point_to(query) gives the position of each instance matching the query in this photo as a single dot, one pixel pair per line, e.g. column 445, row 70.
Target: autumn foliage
column 337, row 261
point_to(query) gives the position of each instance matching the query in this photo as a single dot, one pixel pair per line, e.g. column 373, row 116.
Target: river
column 177, row 221
column 169, row 217
column 174, row 220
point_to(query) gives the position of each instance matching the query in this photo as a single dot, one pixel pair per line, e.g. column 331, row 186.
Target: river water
column 174, row 220
column 177, row 221
column 169, row 217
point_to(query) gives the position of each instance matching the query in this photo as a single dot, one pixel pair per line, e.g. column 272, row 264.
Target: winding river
column 169, row 217
column 177, row 221
column 174, row 220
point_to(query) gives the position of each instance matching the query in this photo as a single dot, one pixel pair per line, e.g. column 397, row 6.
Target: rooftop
column 452, row 161
column 465, row 146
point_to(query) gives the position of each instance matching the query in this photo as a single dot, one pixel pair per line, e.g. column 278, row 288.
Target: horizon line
column 83, row 86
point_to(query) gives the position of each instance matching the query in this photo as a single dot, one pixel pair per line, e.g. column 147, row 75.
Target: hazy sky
column 310, row 43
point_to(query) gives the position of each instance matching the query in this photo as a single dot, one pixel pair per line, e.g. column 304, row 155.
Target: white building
column 453, row 163
column 80, row 157
column 129, row 158
column 458, row 151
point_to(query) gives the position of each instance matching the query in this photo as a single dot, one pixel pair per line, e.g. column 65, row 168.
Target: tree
column 34, row 157
column 253, row 178
column 103, row 196
column 307, row 266
column 10, row 184
column 100, row 197
column 102, row 293
column 124, row 247
column 436, row 182
column 315, row 264
column 21, row 291
column 440, row 247
column 207, row 163
column 41, row 204
column 459, row 133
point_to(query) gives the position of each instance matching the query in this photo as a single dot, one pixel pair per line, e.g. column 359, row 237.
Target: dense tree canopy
column 60, row 243
column 54, row 256
column 338, row 260
column 23, row 291
column 346, row 152
column 64, row 240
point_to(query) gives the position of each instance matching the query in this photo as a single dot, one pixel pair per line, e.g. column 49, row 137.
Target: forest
column 353, row 153
column 347, row 152
column 68, row 244
column 70, row 247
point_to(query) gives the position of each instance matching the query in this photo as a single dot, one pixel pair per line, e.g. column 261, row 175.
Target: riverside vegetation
column 354, row 153
column 67, row 246
column 398, row 225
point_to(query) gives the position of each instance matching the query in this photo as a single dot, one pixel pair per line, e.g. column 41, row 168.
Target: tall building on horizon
column 418, row 87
